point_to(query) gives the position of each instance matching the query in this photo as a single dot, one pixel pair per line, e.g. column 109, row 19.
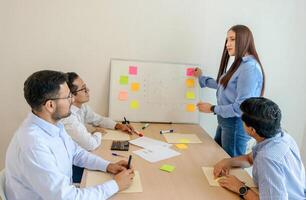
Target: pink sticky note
column 190, row 71
column 133, row 70
column 123, row 96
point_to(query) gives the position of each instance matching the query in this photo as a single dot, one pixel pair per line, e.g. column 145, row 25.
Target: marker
column 145, row 126
column 166, row 131
column 115, row 154
column 129, row 162
column 125, row 121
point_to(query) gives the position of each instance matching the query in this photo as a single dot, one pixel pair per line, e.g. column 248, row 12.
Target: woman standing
column 245, row 78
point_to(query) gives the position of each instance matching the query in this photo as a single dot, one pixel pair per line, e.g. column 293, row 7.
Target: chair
column 2, row 183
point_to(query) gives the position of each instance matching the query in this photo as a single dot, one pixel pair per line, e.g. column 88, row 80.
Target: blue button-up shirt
column 39, row 165
column 278, row 170
column 246, row 82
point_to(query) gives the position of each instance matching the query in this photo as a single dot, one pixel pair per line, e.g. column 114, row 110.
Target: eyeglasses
column 69, row 97
column 86, row 89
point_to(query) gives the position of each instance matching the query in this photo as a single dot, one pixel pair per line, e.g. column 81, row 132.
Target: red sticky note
column 190, row 71
column 133, row 70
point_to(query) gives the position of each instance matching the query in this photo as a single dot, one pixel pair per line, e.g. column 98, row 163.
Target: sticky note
column 123, row 96
column 124, row 80
column 190, row 83
column 181, row 146
column 190, row 95
column 184, row 140
column 134, row 87
column 133, row 70
column 134, row 104
column 190, row 107
column 190, row 71
column 167, row 168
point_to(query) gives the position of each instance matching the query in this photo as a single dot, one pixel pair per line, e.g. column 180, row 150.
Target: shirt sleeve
column 97, row 120
column 43, row 174
column 206, row 81
column 271, row 180
column 246, row 87
column 80, row 134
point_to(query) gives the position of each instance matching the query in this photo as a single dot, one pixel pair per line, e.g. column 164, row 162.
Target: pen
column 166, row 131
column 129, row 162
column 145, row 126
column 115, row 154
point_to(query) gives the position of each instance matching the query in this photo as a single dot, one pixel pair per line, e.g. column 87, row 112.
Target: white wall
column 82, row 36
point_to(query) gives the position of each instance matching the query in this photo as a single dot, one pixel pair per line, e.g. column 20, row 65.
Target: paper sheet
column 156, row 153
column 241, row 174
column 115, row 135
column 98, row 177
column 181, row 138
column 147, row 142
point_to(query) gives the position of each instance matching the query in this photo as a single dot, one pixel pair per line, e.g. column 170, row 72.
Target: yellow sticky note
column 190, row 83
column 167, row 168
column 124, row 80
column 123, row 96
column 134, row 104
column 190, row 95
column 190, row 108
column 135, row 86
column 181, row 146
column 184, row 140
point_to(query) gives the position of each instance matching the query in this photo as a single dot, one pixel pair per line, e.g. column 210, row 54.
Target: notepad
column 115, row 135
column 97, row 177
column 181, row 146
column 241, row 174
column 182, row 138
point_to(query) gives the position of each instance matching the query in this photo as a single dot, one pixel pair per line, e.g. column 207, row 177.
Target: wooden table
column 187, row 181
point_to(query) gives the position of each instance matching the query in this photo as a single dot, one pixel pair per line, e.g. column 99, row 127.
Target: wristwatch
column 243, row 190
column 212, row 109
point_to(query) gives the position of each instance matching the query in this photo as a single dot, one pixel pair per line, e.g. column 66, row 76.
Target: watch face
column 243, row 190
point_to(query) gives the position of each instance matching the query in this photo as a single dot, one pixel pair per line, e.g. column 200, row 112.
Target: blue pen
column 115, row 154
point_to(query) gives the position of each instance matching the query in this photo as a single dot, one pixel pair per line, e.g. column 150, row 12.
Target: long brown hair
column 244, row 44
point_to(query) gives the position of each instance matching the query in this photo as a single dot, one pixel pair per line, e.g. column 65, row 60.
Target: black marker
column 129, row 162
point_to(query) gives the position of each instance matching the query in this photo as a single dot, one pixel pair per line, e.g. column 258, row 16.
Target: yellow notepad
column 115, row 135
column 241, row 174
column 97, row 177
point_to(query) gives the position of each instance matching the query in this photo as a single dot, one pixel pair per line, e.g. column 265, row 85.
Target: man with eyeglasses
column 41, row 153
column 82, row 114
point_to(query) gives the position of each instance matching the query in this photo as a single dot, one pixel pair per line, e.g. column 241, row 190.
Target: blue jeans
column 231, row 136
column 77, row 173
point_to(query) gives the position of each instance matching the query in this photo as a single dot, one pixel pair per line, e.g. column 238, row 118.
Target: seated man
column 82, row 114
column 277, row 167
column 41, row 153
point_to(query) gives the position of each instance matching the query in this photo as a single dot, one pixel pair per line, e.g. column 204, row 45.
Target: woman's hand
column 197, row 72
column 204, row 107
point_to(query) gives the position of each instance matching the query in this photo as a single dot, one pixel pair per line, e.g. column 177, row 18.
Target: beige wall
column 82, row 36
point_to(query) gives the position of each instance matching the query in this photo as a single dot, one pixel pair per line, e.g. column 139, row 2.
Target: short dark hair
column 71, row 78
column 263, row 115
column 42, row 86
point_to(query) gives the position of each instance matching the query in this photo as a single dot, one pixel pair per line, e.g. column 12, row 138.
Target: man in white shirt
column 82, row 114
column 41, row 153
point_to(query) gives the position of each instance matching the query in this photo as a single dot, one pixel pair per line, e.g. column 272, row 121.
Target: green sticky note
column 167, row 168
column 124, row 80
column 190, row 95
column 134, row 104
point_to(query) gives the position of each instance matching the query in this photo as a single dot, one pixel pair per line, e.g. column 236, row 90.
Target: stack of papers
column 154, row 150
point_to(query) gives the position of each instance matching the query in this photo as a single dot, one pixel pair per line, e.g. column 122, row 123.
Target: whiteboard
column 146, row 91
